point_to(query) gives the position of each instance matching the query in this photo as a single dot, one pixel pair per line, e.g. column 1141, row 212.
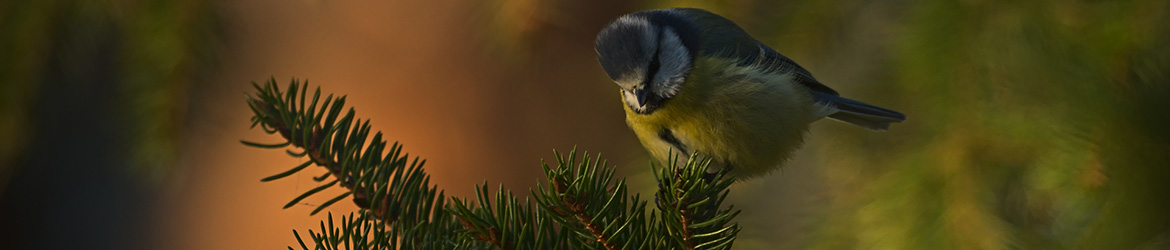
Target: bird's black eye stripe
column 652, row 69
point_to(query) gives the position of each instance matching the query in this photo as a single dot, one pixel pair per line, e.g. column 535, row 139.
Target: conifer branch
column 580, row 206
column 314, row 142
column 692, row 197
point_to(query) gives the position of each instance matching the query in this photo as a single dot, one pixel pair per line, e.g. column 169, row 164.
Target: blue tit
column 694, row 82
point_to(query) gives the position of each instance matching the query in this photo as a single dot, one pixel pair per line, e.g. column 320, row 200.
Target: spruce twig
column 580, row 206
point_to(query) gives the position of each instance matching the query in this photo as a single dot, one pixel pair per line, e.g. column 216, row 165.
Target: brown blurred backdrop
column 1032, row 125
column 431, row 75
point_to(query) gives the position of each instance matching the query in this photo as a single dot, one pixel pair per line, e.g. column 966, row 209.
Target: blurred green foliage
column 94, row 99
column 1039, row 128
column 129, row 63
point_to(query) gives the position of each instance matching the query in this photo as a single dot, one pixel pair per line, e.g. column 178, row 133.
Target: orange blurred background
column 430, row 75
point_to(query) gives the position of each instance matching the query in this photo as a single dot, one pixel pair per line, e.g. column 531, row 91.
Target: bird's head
column 649, row 55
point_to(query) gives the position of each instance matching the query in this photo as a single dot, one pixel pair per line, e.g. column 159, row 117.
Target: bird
column 695, row 83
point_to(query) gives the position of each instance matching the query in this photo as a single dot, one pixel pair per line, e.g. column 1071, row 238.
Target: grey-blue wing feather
column 723, row 38
column 848, row 110
column 775, row 62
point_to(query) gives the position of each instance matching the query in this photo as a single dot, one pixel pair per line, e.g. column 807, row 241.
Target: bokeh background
column 1032, row 124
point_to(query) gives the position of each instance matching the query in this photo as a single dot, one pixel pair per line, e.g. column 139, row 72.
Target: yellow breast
column 737, row 116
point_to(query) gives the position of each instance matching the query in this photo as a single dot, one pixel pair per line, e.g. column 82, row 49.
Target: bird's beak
column 642, row 95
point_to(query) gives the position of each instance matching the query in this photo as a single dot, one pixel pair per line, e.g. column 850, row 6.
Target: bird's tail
column 859, row 113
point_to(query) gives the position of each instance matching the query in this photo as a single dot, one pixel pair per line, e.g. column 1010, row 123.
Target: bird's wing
column 846, row 110
column 773, row 61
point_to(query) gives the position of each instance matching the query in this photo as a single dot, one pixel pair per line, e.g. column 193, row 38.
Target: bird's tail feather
column 859, row 113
